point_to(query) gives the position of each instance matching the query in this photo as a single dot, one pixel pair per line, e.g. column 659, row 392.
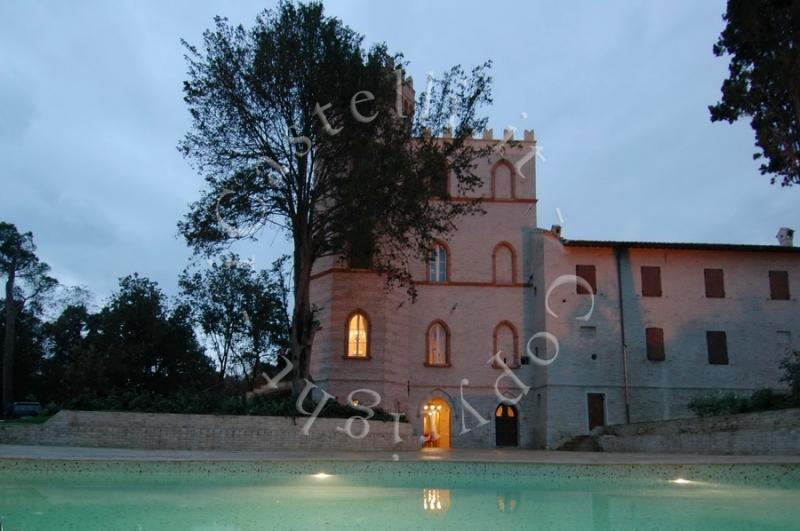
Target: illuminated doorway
column 436, row 423
column 506, row 426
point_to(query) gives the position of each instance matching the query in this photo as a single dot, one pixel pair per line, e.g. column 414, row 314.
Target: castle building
column 522, row 337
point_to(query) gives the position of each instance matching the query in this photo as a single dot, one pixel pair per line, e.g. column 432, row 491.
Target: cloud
column 91, row 111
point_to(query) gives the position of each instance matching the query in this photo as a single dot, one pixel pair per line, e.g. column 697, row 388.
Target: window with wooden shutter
column 717, row 347
column 651, row 281
column 587, row 273
column 779, row 285
column 655, row 344
column 715, row 283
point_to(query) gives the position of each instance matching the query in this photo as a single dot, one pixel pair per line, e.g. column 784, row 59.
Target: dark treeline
column 144, row 351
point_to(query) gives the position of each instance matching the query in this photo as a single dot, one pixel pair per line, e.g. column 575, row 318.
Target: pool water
column 61, row 495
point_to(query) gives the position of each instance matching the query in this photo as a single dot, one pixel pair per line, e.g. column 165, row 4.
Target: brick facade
column 500, row 270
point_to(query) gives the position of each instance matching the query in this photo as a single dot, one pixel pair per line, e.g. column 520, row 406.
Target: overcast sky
column 91, row 110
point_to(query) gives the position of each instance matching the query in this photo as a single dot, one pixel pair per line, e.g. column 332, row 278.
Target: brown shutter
column 717, row 347
column 587, row 273
column 715, row 283
column 779, row 285
column 655, row 344
column 651, row 281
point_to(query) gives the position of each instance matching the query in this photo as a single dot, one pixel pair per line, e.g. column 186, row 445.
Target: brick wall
column 201, row 432
column 764, row 433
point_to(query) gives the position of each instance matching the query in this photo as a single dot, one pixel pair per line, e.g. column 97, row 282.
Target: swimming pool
column 238, row 495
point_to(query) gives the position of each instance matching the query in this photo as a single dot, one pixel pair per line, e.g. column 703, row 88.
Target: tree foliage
column 296, row 126
column 27, row 278
column 763, row 39
column 240, row 311
column 28, row 352
column 138, row 343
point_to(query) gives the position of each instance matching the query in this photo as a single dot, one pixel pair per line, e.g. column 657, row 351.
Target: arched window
column 505, row 342
column 438, row 345
column 503, row 264
column 503, row 178
column 437, row 266
column 358, row 336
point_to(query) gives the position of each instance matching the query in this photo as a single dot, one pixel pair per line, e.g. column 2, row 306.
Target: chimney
column 785, row 237
column 556, row 229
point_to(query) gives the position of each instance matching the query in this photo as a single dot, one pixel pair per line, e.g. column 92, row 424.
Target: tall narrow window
column 503, row 180
column 437, row 171
column 655, row 344
column 437, row 271
column 715, row 283
column 717, row 347
column 362, row 247
column 651, row 281
column 779, row 285
column 503, row 264
column 358, row 336
column 587, row 273
column 505, row 342
column 439, row 181
column 438, row 353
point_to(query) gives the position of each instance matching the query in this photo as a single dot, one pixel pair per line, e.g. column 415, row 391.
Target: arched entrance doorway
column 506, row 425
column 436, row 423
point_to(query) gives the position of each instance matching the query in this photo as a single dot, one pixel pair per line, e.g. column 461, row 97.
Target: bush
column 767, row 399
column 210, row 402
column 712, row 405
column 731, row 403
column 791, row 375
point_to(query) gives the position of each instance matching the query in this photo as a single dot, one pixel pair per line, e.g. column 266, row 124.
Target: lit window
column 357, row 336
column 438, row 264
column 437, row 345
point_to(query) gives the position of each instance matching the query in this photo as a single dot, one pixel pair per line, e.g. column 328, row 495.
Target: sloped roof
column 684, row 246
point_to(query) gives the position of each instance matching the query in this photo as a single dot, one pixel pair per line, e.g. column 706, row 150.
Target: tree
column 28, row 353
column 763, row 39
column 241, row 312
column 145, row 345
column 74, row 364
column 27, row 278
column 297, row 126
column 791, row 375
column 137, row 345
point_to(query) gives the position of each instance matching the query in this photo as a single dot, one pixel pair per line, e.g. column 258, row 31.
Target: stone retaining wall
column 763, row 433
column 201, row 432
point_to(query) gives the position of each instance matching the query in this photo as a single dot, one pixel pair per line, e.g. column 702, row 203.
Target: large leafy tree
column 763, row 39
column 145, row 344
column 240, row 311
column 75, row 364
column 28, row 353
column 138, row 344
column 27, row 279
column 298, row 127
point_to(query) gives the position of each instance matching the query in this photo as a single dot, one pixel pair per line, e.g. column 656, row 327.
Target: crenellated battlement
column 509, row 135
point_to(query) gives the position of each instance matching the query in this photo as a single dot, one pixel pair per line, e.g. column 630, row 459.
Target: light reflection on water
column 436, row 500
column 337, row 501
